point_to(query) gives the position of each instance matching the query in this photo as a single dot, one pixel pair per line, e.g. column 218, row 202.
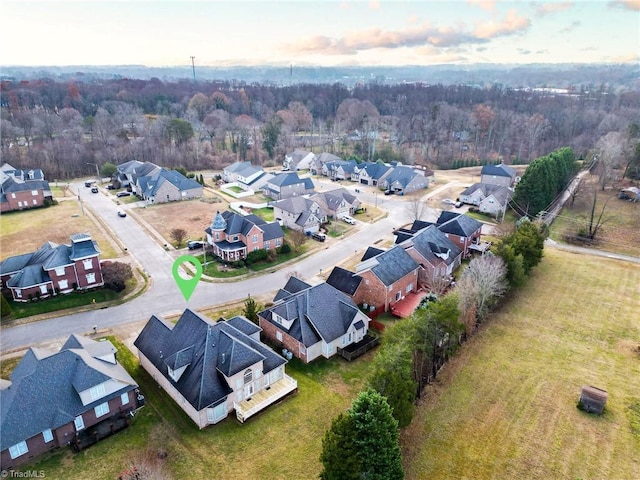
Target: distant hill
column 482, row 75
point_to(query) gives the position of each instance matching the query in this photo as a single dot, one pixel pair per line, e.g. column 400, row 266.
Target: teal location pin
column 187, row 286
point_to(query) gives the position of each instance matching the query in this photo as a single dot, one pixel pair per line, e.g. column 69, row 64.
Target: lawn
column 26, row 231
column 505, row 407
column 264, row 213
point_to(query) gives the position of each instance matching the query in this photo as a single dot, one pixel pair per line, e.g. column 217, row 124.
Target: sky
column 317, row 32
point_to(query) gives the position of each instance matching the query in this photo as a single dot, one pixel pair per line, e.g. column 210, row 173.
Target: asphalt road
column 164, row 297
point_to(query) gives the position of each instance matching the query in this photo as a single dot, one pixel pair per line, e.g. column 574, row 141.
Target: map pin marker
column 187, row 286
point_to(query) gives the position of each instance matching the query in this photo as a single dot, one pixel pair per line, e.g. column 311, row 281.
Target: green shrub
column 285, row 248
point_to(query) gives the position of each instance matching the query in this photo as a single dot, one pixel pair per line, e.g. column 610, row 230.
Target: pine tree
column 340, row 457
column 5, row 308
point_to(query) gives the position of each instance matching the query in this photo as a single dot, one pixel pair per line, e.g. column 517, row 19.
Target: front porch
column 265, row 397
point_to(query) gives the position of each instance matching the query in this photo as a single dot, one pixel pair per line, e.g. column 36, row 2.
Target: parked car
column 110, row 187
column 388, row 192
column 458, row 204
column 320, row 237
column 194, row 244
column 94, row 189
column 88, row 184
column 348, row 220
column 123, row 194
column 121, row 213
column 448, row 201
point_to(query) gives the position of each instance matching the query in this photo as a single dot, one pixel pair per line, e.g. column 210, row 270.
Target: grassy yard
column 265, row 213
column 26, row 231
column 283, row 442
column 505, row 407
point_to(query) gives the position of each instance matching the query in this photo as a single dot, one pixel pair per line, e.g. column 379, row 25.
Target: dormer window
column 97, row 392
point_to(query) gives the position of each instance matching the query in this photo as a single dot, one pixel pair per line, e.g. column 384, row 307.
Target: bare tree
column 594, row 221
column 178, row 235
column 416, row 208
column 298, row 237
column 481, row 284
column 609, row 148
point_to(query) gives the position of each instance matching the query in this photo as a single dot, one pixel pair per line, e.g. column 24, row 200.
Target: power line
column 193, row 67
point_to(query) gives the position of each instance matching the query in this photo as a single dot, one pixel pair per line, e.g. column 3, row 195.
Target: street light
column 97, row 170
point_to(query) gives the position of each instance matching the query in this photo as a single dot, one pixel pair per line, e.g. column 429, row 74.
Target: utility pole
column 193, row 67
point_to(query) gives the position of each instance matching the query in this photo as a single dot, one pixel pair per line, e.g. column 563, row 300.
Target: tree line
column 66, row 128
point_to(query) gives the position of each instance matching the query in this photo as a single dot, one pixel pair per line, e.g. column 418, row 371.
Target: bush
column 284, row 249
column 5, row 308
column 115, row 275
column 256, row 256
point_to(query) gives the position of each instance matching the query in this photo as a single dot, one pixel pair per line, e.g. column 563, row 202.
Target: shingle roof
column 375, row 170
column 433, row 245
column 390, row 266
column 293, row 285
column 344, row 280
column 42, row 394
column 285, row 179
column 173, row 177
column 294, row 205
column 457, row 224
column 500, row 170
column 332, row 199
column 218, row 349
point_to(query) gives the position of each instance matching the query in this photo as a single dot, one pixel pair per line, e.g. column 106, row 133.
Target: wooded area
column 67, row 128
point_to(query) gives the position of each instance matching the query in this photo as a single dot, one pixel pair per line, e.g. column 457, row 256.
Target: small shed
column 592, row 399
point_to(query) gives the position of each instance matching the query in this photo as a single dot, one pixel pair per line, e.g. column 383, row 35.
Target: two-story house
column 316, row 164
column 371, row 173
column 337, row 203
column 53, row 269
column 339, row 169
column 463, row 230
column 286, row 185
column 404, row 180
column 211, row 369
column 299, row 213
column 298, row 160
column 500, row 174
column 54, row 399
column 313, row 321
column 22, row 189
column 166, row 186
column 233, row 236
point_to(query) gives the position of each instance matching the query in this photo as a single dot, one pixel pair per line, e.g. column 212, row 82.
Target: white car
column 348, row 220
column 448, row 201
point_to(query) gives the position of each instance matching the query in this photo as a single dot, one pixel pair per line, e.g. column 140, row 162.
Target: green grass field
column 505, row 407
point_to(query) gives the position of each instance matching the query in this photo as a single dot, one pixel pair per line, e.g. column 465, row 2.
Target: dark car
column 320, row 237
column 121, row 213
column 194, row 244
column 94, row 189
column 123, row 194
column 110, row 187
column 88, row 184
column 388, row 192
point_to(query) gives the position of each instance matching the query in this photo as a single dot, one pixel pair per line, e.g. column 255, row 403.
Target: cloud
column 524, row 51
column 484, row 4
column 414, row 36
column 589, row 49
column 626, row 4
column 542, row 52
column 374, row 5
column 546, row 8
column 569, row 28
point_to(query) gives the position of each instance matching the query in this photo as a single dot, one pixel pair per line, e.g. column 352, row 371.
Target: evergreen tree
column 340, row 457
column 527, row 241
column 5, row 308
column 251, row 309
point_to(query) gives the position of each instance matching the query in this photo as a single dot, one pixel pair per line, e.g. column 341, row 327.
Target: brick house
column 22, row 189
column 212, row 368
column 53, row 269
column 313, row 321
column 461, row 229
column 387, row 277
column 59, row 398
column 233, row 236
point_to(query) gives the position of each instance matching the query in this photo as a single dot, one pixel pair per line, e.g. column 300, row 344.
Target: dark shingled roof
column 344, row 280
column 457, row 224
column 293, row 285
column 321, row 312
column 433, row 245
column 500, row 170
column 216, row 349
column 45, row 387
column 390, row 266
column 371, row 252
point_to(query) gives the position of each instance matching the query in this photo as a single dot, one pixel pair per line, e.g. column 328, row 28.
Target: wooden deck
column 262, row 399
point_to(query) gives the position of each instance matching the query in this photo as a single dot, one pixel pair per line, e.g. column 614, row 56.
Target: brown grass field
column 505, row 407
column 26, row 231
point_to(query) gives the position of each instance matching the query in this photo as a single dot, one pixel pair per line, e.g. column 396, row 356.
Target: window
column 63, row 284
column 267, row 244
column 102, row 409
column 43, row 289
column 59, row 271
column 255, row 238
column 279, row 336
column 409, row 287
column 217, row 236
column 97, row 392
column 87, row 264
column 91, row 278
column 278, row 241
column 398, row 295
column 256, row 248
column 248, row 376
column 216, row 413
column 34, row 193
column 47, row 435
column 18, row 293
column 35, row 202
column 79, row 423
column 124, row 398
column 13, row 195
column 18, row 449
column 303, row 350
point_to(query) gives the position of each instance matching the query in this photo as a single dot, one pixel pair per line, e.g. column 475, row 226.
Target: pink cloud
column 510, row 24
column 484, row 4
column 626, row 4
column 546, row 8
column 374, row 5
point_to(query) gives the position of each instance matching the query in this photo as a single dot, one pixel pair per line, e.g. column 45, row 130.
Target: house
column 22, row 189
column 53, row 269
column 388, row 276
column 500, row 174
column 316, row 164
column 298, row 160
column 299, row 213
column 212, row 368
column 313, row 321
column 234, row 236
column 230, row 173
column 461, row 229
column 339, row 169
column 163, row 186
column 489, row 198
column 337, row 203
column 371, row 173
column 244, row 174
column 404, row 180
column 286, row 185
column 438, row 256
column 55, row 398
column 126, row 172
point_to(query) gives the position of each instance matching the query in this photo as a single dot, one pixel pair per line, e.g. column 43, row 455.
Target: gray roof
column 457, row 224
column 293, row 285
column 295, row 205
column 344, row 280
column 433, row 245
column 162, row 176
column 129, row 167
column 45, row 387
column 235, row 223
column 10, row 185
column 402, row 175
column 500, row 170
column 321, row 312
column 332, row 199
column 291, row 178
column 501, row 192
column 210, row 350
column 237, row 167
column 390, row 266
column 374, row 170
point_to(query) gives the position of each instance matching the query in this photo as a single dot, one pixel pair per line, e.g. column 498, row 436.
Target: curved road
column 164, row 297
